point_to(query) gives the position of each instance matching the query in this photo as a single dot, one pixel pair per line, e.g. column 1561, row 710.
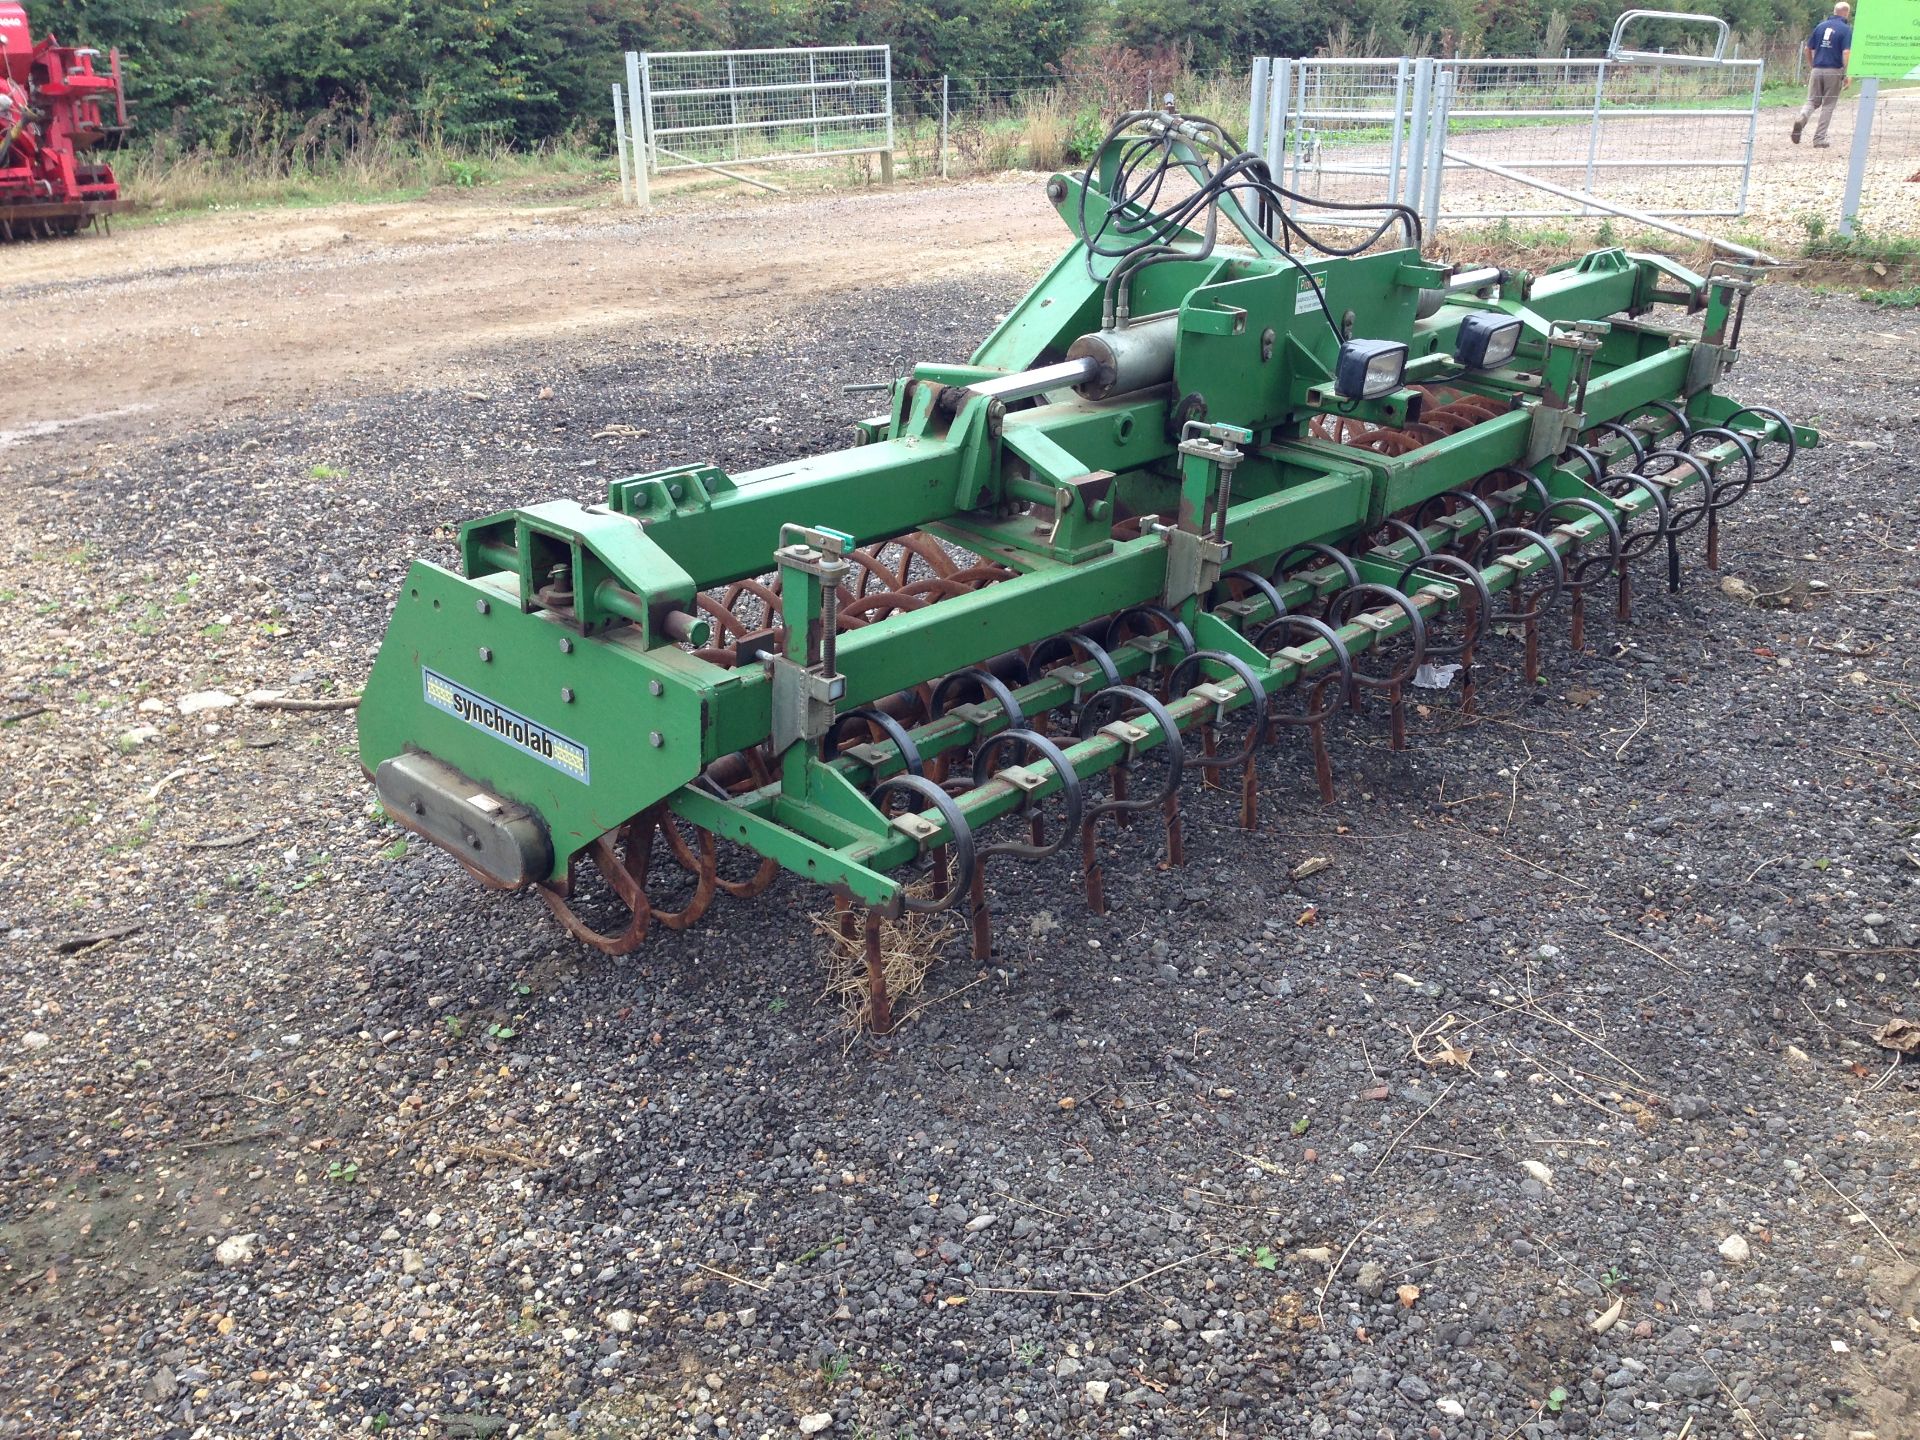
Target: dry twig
column 223, row 842
column 286, row 702
column 1097, row 1294
column 1387, row 1154
column 1646, row 711
column 1648, row 950
column 729, row 1275
column 1320, row 1300
column 1898, row 1253
column 72, row 943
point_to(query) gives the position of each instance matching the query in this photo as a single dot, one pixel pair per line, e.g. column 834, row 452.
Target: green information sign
column 1886, row 40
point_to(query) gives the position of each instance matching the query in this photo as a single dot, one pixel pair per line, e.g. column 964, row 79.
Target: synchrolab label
column 567, row 756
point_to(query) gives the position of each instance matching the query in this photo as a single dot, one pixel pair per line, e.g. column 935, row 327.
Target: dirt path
column 267, row 308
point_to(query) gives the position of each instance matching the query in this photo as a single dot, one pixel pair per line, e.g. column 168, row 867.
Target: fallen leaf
column 1540, row 1172
column 1408, row 1294
column 1067, row 1102
column 1309, row 916
column 1313, row 865
column 1899, row 1034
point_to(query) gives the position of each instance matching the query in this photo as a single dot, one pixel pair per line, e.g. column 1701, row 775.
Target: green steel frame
column 576, row 621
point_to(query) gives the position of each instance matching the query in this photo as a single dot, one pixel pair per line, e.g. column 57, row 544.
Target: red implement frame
column 56, row 118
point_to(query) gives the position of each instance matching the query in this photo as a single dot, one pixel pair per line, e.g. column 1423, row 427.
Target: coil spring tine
column 887, row 725
column 1766, row 414
column 1172, row 623
column 1489, row 521
column 1266, row 588
column 1071, row 796
column 1682, row 518
column 1407, row 532
column 1577, row 580
column 1056, row 649
column 1668, row 408
column 1521, row 480
column 1718, row 497
column 1315, row 711
column 1628, row 434
column 1534, row 538
column 1212, row 764
column 1619, row 486
column 962, row 845
column 1471, row 625
column 1120, row 698
column 1394, row 682
column 1340, row 560
column 1635, row 543
column 1529, row 616
column 991, row 686
column 1595, row 466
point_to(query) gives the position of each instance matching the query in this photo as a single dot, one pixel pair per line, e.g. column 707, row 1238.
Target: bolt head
column 566, row 694
column 654, row 687
column 482, row 606
column 486, row 655
column 566, row 644
column 656, row 739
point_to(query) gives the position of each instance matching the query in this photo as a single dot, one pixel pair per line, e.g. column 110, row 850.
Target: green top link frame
column 1140, row 434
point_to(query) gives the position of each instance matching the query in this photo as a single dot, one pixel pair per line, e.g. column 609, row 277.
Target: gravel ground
column 334, row 1142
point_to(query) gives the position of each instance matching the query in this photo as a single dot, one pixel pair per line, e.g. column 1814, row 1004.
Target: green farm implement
column 1215, row 479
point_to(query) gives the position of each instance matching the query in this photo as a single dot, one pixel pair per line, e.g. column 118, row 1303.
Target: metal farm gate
column 1463, row 140
column 706, row 108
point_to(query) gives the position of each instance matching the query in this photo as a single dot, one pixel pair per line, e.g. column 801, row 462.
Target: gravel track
column 482, row 1181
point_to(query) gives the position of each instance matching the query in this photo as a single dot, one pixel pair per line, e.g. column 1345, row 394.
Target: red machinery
column 54, row 113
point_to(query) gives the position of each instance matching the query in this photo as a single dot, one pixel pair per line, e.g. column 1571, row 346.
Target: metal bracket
column 1130, row 736
column 1553, row 429
column 1706, row 365
column 916, row 828
column 1194, row 563
column 806, row 681
column 802, row 701
column 1217, row 696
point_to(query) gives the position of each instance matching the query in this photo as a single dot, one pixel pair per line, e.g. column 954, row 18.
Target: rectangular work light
column 1486, row 341
column 1368, row 369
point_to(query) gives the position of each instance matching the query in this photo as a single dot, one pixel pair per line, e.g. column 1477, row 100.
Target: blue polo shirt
column 1831, row 39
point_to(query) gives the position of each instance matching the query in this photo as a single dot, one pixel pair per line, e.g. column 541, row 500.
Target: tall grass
column 268, row 157
column 1057, row 125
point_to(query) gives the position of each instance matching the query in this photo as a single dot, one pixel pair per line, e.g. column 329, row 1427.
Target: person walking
column 1829, row 48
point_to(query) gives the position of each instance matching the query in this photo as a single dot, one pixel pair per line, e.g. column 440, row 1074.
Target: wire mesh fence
column 1361, row 131
column 707, row 107
column 1704, row 141
column 1604, row 129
